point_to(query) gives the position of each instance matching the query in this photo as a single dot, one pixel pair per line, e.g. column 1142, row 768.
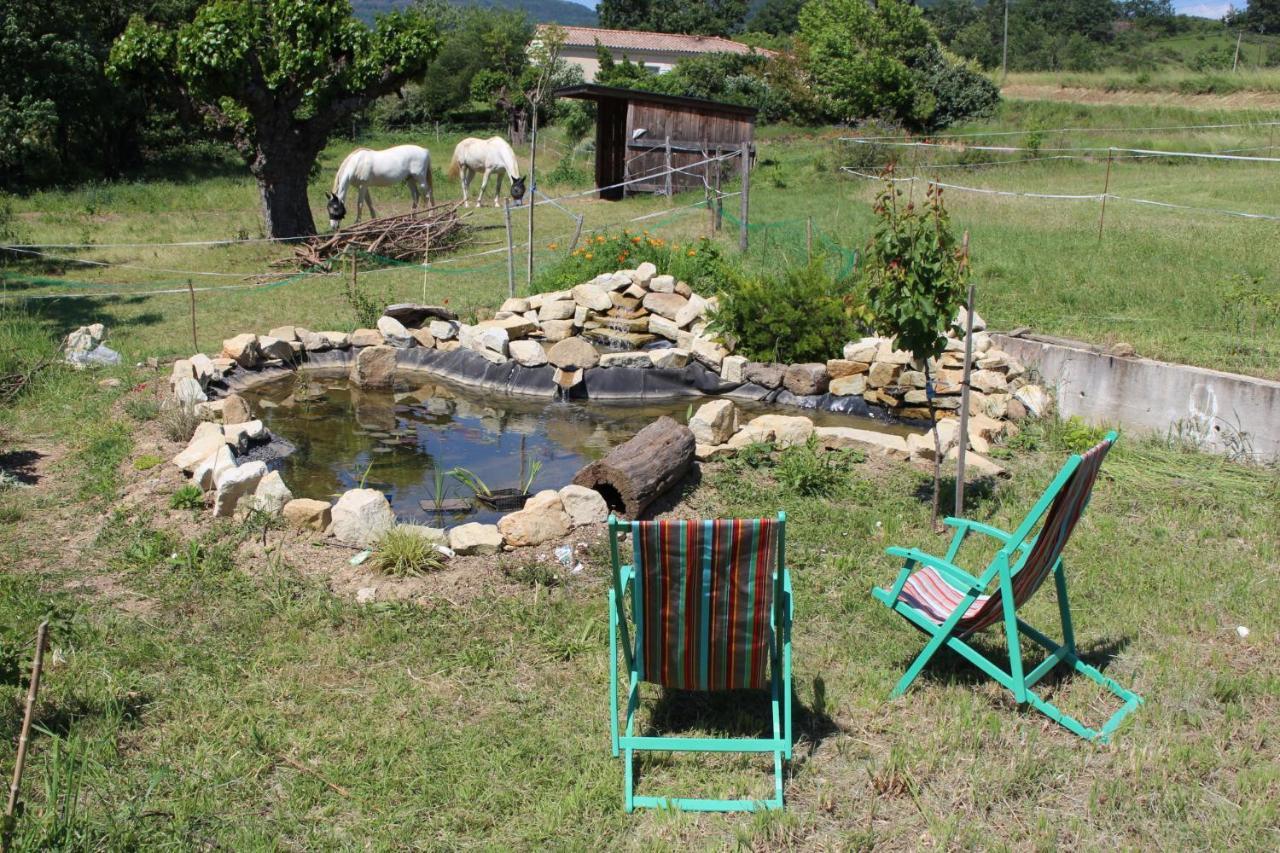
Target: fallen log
column 637, row 472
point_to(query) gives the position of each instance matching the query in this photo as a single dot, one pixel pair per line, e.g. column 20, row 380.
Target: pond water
column 398, row 441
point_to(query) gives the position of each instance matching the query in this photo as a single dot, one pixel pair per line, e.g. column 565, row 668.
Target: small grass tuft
column 142, row 409
column 810, row 471
column 189, row 496
column 533, row 574
column 146, row 462
column 179, row 421
column 401, row 552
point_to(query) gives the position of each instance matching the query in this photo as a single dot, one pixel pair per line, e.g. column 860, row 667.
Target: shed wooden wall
column 694, row 133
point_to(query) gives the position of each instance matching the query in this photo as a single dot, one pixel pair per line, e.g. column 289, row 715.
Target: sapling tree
column 277, row 77
column 916, row 273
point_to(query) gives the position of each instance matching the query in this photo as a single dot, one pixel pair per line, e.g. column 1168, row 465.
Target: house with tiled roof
column 658, row 52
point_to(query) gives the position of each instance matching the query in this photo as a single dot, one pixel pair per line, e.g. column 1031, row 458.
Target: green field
column 218, row 686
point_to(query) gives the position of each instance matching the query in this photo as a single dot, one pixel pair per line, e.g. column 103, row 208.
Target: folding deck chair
column 950, row 605
column 711, row 610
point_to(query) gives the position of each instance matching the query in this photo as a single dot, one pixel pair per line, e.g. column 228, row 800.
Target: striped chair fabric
column 706, row 598
column 927, row 591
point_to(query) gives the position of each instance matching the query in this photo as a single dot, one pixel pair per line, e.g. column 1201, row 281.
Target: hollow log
column 638, row 471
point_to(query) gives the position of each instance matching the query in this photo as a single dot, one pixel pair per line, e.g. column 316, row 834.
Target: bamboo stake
column 1106, row 188
column 37, row 667
column 964, row 400
column 511, row 251
column 195, row 347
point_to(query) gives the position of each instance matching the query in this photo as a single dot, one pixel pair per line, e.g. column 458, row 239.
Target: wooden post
column 191, row 291
column 719, row 202
column 577, row 233
column 533, row 190
column 426, row 262
column 666, row 162
column 33, row 689
column 964, row 404
column 511, row 249
column 1106, row 188
column 1235, row 63
column 706, row 191
column 808, row 238
column 745, row 201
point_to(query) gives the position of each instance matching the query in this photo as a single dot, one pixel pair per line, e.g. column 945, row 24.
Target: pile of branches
column 407, row 237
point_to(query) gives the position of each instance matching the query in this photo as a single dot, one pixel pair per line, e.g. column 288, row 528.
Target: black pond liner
column 504, row 499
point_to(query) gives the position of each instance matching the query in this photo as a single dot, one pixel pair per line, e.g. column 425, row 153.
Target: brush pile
column 407, row 237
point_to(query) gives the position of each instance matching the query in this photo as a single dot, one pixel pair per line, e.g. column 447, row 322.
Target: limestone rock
column 691, row 312
column 883, row 374
column 887, row 353
column 516, row 305
column 235, row 410
column 239, row 436
column 244, row 350
column 271, row 494
column 516, row 327
column 275, row 348
column 731, row 368
column 976, row 463
column 848, row 385
column 206, row 440
column 840, row 438
column 394, row 332
column 234, row 484
column 366, row 338
column 841, row 367
column 1036, row 400
column 375, row 367
column 579, row 316
column 182, row 369
column 787, row 430
column 204, row 370
column 423, row 337
column 475, row 538
column 922, row 445
column 764, row 374
column 710, row 353
column 542, row 520
column 663, row 327
column 573, row 354
column 559, row 310
column 492, row 338
column 210, row 468
column 557, row 330
column 584, row 506
column 187, row 392
column 361, row 516
column 443, row 330
column 592, row 297
column 988, row 381
column 662, row 284
column 673, row 358
column 864, row 350
column 714, row 422
column 710, row 452
column 308, row 514
column 313, row 341
column 566, row 379
column 337, row 340
column 665, row 304
column 285, row 333
column 528, row 353
column 962, row 320
column 644, row 274
column 638, row 358
column 806, row 379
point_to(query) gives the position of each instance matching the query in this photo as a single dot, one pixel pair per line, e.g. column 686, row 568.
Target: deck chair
column 950, row 605
column 710, row 608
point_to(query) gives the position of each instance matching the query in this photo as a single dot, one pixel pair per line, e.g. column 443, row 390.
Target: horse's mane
column 508, row 156
column 344, row 170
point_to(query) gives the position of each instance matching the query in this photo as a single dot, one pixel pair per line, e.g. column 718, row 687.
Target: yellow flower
column 600, row 239
column 590, row 256
column 691, row 253
column 551, row 246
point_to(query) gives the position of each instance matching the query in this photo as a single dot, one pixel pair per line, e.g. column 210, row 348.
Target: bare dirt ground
column 1080, row 95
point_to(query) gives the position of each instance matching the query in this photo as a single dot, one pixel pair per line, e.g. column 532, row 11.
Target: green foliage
column 916, row 271
column 566, row 172
column 178, row 421
column 146, row 462
column 471, row 480
column 189, row 496
column 699, row 264
column 810, row 471
column 1252, row 305
column 533, row 574
column 577, row 119
column 142, row 409
column 402, row 552
column 709, row 17
column 1077, row 436
column 779, row 17
column 802, row 315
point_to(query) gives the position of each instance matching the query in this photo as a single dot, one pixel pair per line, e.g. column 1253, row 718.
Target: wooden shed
column 642, row 136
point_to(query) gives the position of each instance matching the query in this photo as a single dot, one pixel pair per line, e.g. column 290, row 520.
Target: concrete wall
column 1222, row 412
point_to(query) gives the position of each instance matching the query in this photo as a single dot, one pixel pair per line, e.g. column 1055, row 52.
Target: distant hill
column 539, row 11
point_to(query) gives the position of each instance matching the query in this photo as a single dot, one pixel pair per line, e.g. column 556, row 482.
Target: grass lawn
column 218, row 686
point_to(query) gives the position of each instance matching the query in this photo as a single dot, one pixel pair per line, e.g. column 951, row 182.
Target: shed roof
column 645, row 40
column 596, row 92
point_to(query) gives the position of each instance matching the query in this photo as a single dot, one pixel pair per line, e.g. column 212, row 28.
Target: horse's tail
column 455, row 162
column 427, row 175
column 344, row 171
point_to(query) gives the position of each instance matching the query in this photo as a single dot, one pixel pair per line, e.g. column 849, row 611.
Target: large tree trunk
column 285, row 206
column 638, row 471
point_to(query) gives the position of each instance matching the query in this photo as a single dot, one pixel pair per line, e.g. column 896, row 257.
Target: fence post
column 577, row 233
column 24, row 733
column 511, row 249
column 706, row 190
column 195, row 347
column 426, row 262
column 533, row 190
column 1106, row 188
column 666, row 161
column 964, row 405
column 719, row 201
column 745, row 202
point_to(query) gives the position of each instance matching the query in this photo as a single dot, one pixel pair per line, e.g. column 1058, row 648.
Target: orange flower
column 590, row 256
column 551, row 246
column 636, row 240
column 691, row 252
column 600, row 239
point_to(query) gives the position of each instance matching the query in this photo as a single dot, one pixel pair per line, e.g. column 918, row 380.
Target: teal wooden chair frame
column 627, row 743
column 1015, row 548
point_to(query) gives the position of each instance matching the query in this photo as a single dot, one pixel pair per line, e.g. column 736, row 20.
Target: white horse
column 487, row 155
column 366, row 168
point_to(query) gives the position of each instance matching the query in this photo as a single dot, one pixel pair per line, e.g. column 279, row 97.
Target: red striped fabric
column 706, row 594
column 928, row 592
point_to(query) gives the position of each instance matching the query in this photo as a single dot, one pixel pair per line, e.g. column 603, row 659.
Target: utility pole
column 1004, row 58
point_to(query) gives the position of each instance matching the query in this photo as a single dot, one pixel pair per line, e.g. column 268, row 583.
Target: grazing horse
column 486, row 155
column 366, row 168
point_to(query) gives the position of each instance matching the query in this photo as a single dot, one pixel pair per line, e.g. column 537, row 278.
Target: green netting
column 788, row 240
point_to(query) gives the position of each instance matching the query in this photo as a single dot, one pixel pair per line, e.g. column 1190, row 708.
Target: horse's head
column 517, row 189
column 337, row 210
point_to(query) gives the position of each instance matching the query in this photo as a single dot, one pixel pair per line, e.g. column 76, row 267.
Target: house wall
column 585, row 58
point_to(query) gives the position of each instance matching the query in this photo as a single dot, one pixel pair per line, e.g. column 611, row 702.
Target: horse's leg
column 466, row 185
column 484, row 182
column 413, row 192
column 368, row 200
column 359, row 200
column 497, row 189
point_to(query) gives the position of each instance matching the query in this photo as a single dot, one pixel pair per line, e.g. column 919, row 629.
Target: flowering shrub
column 697, row 262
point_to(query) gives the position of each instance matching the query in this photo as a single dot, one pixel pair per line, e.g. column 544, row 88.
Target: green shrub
column 188, row 497
column 566, row 172
column 142, row 409
column 805, row 315
column 698, row 263
column 401, row 552
column 811, row 471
